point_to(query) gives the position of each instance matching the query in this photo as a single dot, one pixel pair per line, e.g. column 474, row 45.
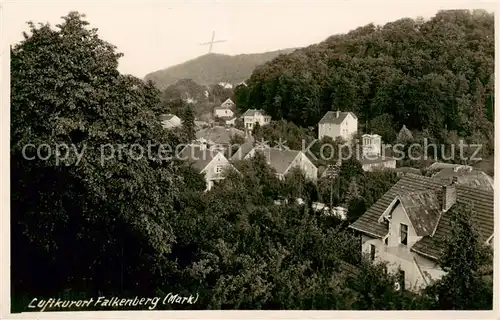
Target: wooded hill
column 213, row 68
column 428, row 75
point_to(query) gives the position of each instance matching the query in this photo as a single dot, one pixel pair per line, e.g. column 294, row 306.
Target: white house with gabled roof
column 338, row 124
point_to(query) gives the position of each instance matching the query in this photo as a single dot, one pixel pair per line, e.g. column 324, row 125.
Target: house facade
column 211, row 163
column 372, row 157
column 253, row 116
column 407, row 226
column 284, row 160
column 223, row 112
column 338, row 124
column 169, row 121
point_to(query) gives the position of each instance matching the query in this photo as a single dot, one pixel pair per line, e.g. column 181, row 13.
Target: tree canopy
column 423, row 74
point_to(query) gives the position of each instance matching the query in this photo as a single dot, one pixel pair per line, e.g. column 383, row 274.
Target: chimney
column 338, row 113
column 449, row 195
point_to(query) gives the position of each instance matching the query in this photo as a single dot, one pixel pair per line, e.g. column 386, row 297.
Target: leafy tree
column 430, row 74
column 219, row 94
column 464, row 257
column 257, row 131
column 99, row 221
column 384, row 126
column 188, row 123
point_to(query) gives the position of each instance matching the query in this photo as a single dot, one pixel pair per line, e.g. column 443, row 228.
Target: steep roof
column 218, row 134
column 420, row 197
column 243, row 150
column 331, row 117
column 228, row 100
column 198, row 157
column 482, row 205
column 467, row 177
column 279, row 159
column 423, row 209
column 368, row 222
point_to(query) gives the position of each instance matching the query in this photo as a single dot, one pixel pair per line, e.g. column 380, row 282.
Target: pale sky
column 154, row 35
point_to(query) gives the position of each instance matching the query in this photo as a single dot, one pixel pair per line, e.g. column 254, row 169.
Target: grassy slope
column 213, row 68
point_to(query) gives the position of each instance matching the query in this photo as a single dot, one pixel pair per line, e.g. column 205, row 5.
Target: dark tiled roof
column 331, row 117
column 471, row 178
column 198, row 157
column 244, row 149
column 279, row 159
column 423, row 209
column 368, row 222
column 482, row 206
column 218, row 134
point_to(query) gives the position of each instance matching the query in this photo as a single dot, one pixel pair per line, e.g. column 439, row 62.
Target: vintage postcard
column 249, row 155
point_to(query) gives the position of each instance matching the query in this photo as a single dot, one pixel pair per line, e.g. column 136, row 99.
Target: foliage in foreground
column 128, row 225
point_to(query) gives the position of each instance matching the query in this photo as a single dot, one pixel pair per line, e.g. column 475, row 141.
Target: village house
column 372, row 157
column 169, row 121
column 283, row 160
column 218, row 137
column 209, row 162
column 225, row 109
column 407, row 226
column 223, row 112
column 338, row 124
column 253, row 116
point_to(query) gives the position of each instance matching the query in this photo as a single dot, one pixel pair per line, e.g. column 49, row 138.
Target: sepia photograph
column 249, row 155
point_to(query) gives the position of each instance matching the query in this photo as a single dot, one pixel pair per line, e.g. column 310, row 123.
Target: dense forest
column 435, row 76
column 131, row 226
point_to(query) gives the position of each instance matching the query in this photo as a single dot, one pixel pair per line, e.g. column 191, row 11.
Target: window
column 372, row 252
column 218, row 169
column 403, row 233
